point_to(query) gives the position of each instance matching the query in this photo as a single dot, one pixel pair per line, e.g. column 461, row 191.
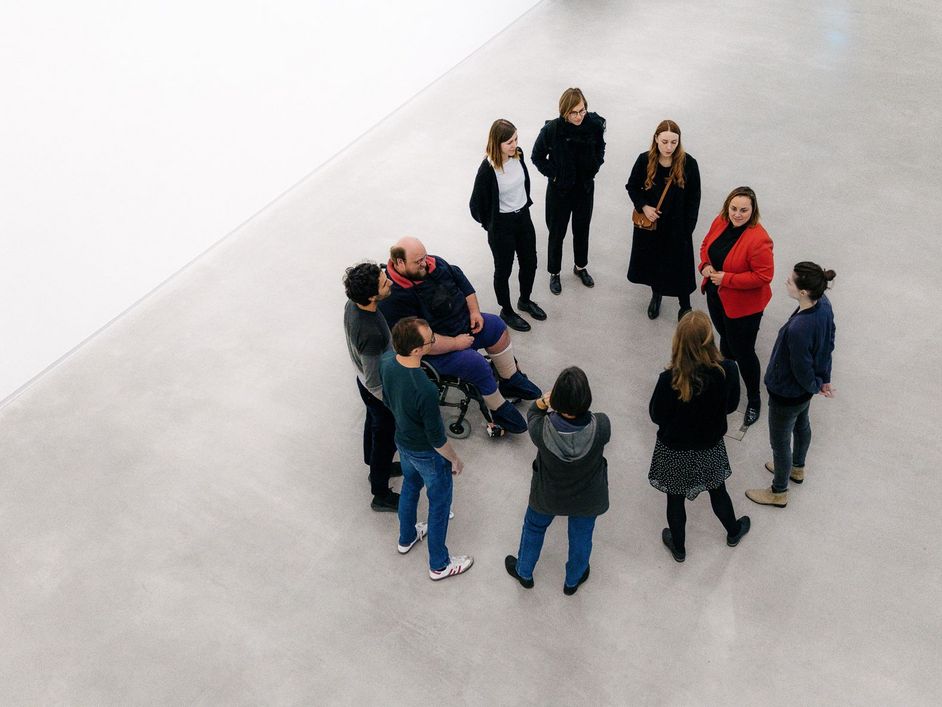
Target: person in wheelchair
column 427, row 286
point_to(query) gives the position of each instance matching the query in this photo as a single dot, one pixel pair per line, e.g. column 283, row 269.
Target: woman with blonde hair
column 690, row 403
column 664, row 186
column 501, row 202
column 569, row 151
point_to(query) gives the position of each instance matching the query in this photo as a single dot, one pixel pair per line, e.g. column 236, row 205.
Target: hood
column 405, row 282
column 569, row 446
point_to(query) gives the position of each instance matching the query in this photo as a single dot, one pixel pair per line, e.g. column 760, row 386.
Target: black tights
column 677, row 514
column 682, row 300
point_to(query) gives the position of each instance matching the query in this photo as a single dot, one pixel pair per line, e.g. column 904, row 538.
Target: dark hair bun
column 829, row 275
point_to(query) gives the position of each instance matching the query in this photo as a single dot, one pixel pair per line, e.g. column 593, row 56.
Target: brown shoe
column 797, row 475
column 768, row 497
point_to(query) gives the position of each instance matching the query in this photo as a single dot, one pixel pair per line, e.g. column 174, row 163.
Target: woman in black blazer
column 500, row 202
column 663, row 258
column 689, row 405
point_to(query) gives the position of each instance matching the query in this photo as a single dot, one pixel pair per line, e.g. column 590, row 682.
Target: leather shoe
column 682, row 312
column 555, row 285
column 514, row 320
column 510, row 564
column 584, row 275
column 569, row 591
column 668, row 539
column 654, row 307
column 531, row 308
column 752, row 414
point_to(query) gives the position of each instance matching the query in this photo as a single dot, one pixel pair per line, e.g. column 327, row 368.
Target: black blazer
column 485, row 197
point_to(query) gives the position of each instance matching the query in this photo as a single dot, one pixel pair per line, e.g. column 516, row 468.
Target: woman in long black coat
column 663, row 258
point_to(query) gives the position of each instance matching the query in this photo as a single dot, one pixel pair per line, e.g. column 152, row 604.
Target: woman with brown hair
column 500, row 202
column 663, row 258
column 737, row 266
column 690, row 403
column 569, row 151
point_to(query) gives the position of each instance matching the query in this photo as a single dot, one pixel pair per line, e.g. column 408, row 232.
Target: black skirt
column 687, row 472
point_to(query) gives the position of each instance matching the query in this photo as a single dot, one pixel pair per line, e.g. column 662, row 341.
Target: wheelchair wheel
column 457, row 428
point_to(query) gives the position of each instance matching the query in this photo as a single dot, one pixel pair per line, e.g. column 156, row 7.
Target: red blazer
column 749, row 269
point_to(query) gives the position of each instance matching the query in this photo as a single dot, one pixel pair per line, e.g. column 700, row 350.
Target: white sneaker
column 456, row 565
column 421, row 530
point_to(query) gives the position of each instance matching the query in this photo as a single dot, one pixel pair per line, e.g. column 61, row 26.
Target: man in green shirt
column 427, row 456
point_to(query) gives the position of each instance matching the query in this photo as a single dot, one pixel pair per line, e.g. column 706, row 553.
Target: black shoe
column 584, row 275
column 510, row 564
column 514, row 320
column 668, row 540
column 752, row 414
column 569, row 591
column 395, row 470
column 682, row 312
column 555, row 285
column 744, row 524
column 531, row 308
column 654, row 307
column 386, row 504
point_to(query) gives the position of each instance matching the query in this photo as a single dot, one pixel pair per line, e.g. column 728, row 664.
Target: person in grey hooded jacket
column 570, row 476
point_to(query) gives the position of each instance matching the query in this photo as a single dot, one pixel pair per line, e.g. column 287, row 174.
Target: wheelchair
column 457, row 426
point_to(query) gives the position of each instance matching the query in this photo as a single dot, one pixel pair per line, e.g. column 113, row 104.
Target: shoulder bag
column 641, row 221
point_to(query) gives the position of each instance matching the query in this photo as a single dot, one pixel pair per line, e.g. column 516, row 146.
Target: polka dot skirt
column 687, row 472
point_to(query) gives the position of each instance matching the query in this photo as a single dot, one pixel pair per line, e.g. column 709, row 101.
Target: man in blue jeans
column 427, row 456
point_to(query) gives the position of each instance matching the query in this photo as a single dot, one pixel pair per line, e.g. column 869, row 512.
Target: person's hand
column 477, row 322
column 707, row 270
column 716, row 277
column 463, row 341
column 827, row 390
column 457, row 466
column 651, row 213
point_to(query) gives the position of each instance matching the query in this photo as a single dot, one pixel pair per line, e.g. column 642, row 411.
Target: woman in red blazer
column 737, row 267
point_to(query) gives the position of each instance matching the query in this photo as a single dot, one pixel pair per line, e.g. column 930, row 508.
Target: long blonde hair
column 678, row 159
column 692, row 351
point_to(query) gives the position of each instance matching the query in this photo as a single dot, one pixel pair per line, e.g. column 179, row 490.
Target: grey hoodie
column 570, row 474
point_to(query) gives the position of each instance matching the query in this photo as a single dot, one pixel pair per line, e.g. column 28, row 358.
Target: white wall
column 135, row 135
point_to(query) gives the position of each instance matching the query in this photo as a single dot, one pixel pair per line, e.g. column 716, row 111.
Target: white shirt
column 511, row 186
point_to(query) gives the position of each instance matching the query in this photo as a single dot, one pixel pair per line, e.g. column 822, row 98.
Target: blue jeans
column 790, row 437
column 432, row 470
column 531, row 543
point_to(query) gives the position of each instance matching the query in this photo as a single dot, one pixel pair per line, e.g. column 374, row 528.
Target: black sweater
column 700, row 422
column 485, row 197
column 570, row 155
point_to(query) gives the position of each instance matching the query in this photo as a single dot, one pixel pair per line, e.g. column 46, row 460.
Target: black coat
column 664, row 258
column 485, row 197
column 555, row 151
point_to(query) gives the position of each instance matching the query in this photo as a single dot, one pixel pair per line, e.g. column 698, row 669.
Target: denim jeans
column 531, row 543
column 790, row 437
column 432, row 470
column 379, row 440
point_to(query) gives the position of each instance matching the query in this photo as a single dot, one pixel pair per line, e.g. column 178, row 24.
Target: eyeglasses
column 577, row 113
column 430, row 341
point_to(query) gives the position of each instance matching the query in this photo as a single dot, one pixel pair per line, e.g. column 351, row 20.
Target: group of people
column 420, row 306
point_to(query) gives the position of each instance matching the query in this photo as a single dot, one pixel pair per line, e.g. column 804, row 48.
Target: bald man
column 427, row 286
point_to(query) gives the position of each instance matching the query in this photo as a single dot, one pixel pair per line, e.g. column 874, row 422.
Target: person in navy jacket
column 799, row 368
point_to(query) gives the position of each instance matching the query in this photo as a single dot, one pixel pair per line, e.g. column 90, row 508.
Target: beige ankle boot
column 797, row 475
column 768, row 497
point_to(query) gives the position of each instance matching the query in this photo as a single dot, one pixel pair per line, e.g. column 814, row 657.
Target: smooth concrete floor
column 184, row 511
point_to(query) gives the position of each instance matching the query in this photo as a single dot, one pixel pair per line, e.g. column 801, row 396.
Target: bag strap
column 663, row 194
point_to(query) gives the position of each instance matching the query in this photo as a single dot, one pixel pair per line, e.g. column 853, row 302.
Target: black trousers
column 510, row 234
column 560, row 206
column 682, row 300
column 379, row 443
column 738, row 342
column 677, row 514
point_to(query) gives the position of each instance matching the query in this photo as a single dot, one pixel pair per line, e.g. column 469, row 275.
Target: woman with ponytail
column 800, row 367
column 690, row 404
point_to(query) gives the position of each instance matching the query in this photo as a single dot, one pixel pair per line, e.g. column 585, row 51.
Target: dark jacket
column 700, row 422
column 801, row 358
column 570, row 155
column 485, row 197
column 570, row 475
column 440, row 299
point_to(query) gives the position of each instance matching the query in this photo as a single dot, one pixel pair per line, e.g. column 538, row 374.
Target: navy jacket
column 485, row 197
column 801, row 357
column 440, row 298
